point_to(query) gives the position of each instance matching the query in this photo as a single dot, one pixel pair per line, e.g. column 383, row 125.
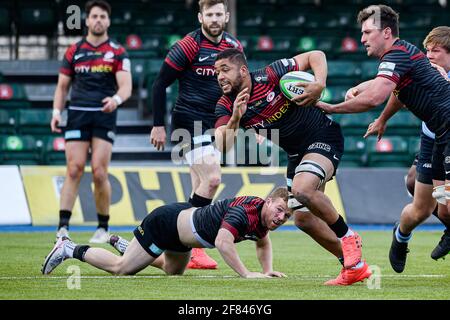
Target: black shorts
column 424, row 160
column 158, row 231
column 198, row 131
column 441, row 157
column 84, row 125
column 329, row 142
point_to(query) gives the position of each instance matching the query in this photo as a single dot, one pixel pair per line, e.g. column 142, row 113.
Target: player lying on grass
column 167, row 235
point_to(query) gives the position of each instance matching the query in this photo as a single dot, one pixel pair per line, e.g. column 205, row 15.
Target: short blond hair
column 202, row 4
column 439, row 36
column 280, row 192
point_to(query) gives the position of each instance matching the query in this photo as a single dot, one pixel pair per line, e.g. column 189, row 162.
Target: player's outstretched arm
column 264, row 254
column 225, row 244
column 374, row 95
column 379, row 125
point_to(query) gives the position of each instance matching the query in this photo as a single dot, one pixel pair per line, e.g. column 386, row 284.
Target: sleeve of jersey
column 182, row 53
column 394, row 65
column 123, row 61
column 223, row 111
column 279, row 68
column 235, row 221
column 66, row 65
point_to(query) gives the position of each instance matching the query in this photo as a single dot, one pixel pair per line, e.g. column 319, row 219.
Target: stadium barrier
column 30, row 194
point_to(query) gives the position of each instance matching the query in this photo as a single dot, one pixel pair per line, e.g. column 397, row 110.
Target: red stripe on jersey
column 173, row 65
column 257, row 201
column 65, row 71
column 401, row 48
column 418, row 56
column 236, row 202
column 222, row 121
column 272, row 76
column 189, row 46
column 252, row 216
column 70, row 52
column 395, row 79
column 404, row 83
column 230, row 228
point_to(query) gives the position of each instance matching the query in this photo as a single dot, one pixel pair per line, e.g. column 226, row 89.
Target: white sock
column 69, row 247
column 349, row 233
column 358, row 266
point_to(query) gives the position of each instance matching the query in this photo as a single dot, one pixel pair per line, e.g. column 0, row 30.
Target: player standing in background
column 191, row 62
column 98, row 69
column 406, row 75
column 437, row 45
column 314, row 143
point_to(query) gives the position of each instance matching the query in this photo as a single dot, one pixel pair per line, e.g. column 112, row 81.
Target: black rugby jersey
column 419, row 86
column 269, row 109
column 93, row 71
column 194, row 56
column 241, row 216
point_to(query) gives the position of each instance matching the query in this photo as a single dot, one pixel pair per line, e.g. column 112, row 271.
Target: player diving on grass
column 167, row 235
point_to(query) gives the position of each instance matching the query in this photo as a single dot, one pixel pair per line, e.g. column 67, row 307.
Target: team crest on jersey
column 108, row 56
column 231, row 41
column 260, row 79
column 114, row 45
column 270, row 96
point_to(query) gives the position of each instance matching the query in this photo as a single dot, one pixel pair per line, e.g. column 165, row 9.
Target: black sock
column 80, row 251
column 102, row 221
column 339, row 227
column 435, row 213
column 199, row 201
column 64, row 217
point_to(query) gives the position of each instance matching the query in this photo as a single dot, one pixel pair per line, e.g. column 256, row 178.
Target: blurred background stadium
column 34, row 35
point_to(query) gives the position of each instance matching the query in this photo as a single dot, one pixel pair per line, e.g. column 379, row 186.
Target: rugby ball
column 289, row 83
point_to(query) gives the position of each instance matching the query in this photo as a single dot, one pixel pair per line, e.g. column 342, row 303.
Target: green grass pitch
column 307, row 265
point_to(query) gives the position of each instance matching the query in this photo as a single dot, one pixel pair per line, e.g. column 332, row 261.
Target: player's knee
column 174, row 271
column 410, row 183
column 302, row 221
column 75, row 171
column 99, row 175
column 214, row 181
column 122, row 269
column 303, row 195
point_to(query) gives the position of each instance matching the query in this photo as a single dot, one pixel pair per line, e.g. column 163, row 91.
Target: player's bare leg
column 101, row 157
column 305, row 187
column 76, row 156
column 412, row 215
column 317, row 229
column 205, row 176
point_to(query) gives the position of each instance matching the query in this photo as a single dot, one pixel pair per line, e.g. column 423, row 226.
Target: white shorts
column 197, row 155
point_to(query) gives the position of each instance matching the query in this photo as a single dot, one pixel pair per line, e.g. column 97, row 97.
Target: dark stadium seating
column 21, row 150
column 390, row 151
column 268, row 30
column 34, row 121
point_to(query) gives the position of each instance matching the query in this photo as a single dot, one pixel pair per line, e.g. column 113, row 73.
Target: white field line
column 306, row 277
